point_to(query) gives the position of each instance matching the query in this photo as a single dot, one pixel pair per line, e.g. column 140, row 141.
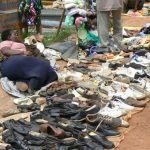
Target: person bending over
column 30, row 71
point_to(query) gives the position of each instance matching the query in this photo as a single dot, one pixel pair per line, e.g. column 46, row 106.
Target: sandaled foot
column 21, row 86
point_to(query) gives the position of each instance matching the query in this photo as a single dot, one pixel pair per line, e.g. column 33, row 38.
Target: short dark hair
column 6, row 34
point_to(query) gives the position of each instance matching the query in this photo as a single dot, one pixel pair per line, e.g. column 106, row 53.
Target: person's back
column 30, row 69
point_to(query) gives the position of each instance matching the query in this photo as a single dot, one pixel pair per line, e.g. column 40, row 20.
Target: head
column 11, row 35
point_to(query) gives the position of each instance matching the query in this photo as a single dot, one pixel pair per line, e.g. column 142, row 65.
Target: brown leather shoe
column 47, row 128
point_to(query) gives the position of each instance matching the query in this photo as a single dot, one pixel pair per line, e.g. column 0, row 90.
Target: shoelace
column 102, row 119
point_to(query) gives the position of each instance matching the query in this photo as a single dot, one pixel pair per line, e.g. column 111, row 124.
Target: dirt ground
column 137, row 138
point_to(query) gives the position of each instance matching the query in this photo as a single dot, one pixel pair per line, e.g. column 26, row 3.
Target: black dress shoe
column 92, row 145
column 102, row 140
column 107, row 131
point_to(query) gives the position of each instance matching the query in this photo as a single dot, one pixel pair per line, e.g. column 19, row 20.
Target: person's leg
column 35, row 83
column 103, row 27
column 52, row 76
column 117, row 29
column 117, row 25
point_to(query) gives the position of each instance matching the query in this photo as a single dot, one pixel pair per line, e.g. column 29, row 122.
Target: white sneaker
column 138, row 93
column 127, row 108
column 112, row 112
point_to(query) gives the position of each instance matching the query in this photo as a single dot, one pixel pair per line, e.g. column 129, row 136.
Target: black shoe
column 28, row 108
column 114, row 66
column 80, row 116
column 92, row 145
column 20, row 127
column 102, row 140
column 107, row 131
column 15, row 139
column 71, row 123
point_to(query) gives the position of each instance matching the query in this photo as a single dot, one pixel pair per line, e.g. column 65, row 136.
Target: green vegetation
column 63, row 34
column 52, row 37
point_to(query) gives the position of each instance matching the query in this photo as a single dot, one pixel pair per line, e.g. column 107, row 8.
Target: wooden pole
column 61, row 20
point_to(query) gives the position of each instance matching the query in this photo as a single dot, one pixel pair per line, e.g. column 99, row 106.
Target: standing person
column 30, row 14
column 104, row 9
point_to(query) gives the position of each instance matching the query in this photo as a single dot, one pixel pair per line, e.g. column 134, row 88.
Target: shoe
column 91, row 144
column 123, row 79
column 102, row 140
column 138, row 92
column 15, row 139
column 80, row 116
column 47, row 128
column 70, row 123
column 20, row 126
column 112, row 111
column 113, row 122
column 28, row 108
column 133, row 102
column 117, row 102
column 36, row 138
column 107, row 131
column 135, row 65
column 114, row 66
column 5, row 146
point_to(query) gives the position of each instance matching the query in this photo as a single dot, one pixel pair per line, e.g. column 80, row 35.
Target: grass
column 63, row 34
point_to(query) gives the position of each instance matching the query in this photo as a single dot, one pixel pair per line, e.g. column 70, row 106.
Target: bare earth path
column 138, row 138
